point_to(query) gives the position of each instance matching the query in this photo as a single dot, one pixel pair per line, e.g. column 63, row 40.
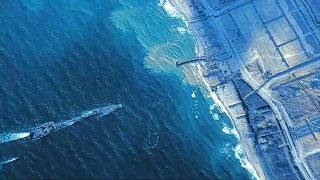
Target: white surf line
column 8, row 161
column 239, row 152
column 5, row 138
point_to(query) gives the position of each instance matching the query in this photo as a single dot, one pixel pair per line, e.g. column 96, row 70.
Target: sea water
column 59, row 58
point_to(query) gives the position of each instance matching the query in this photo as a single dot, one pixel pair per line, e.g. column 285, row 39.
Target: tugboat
column 43, row 130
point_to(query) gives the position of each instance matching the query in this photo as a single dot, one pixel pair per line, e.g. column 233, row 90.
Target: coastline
column 244, row 149
column 238, row 54
column 243, row 146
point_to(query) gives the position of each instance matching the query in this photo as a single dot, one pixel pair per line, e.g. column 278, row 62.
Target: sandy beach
column 251, row 160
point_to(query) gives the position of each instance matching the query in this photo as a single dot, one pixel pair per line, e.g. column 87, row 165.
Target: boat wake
column 152, row 139
column 8, row 161
column 4, row 138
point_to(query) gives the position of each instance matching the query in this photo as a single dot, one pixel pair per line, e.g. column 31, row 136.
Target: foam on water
column 182, row 30
column 162, row 52
column 193, row 95
column 8, row 161
column 4, row 138
column 85, row 60
column 239, row 152
column 215, row 116
column 171, row 10
column 174, row 13
column 226, row 130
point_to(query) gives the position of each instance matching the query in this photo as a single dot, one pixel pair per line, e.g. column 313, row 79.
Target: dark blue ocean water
column 59, row 58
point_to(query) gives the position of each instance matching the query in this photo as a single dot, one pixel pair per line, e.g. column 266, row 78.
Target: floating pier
column 180, row 63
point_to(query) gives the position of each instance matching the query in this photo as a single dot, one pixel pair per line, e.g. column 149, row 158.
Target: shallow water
column 59, row 58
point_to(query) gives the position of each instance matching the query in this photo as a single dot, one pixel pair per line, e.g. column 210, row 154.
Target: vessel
column 101, row 112
column 42, row 130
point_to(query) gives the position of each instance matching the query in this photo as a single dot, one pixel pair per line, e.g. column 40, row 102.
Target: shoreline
column 246, row 162
column 271, row 102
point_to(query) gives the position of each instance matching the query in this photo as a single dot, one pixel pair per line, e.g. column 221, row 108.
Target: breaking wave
column 174, row 13
column 239, row 152
column 226, row 130
column 171, row 10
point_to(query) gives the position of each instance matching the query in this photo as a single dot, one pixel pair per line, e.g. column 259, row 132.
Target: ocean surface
column 59, row 58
